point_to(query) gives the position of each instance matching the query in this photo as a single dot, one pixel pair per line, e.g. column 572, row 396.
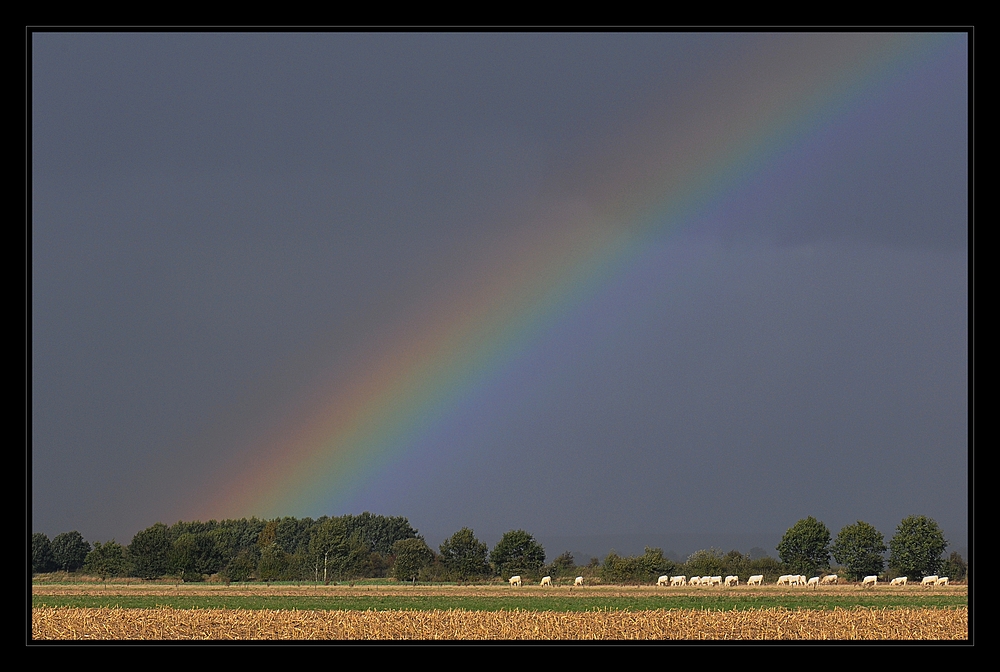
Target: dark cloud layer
column 207, row 208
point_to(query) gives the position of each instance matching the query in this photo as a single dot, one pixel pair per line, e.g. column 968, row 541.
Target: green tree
column 955, row 568
column 273, row 563
column 42, row 559
column 617, row 569
column 70, row 550
column 106, row 560
column 564, row 565
column 805, row 548
column 148, row 551
column 735, row 562
column 516, row 553
column 241, row 567
column 652, row 564
column 706, row 562
column 915, row 550
column 336, row 551
column 464, row 556
column 860, row 548
column 412, row 555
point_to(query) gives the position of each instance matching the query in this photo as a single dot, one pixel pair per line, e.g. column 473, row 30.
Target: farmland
column 393, row 611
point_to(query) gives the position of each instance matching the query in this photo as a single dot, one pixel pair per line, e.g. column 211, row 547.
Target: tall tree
column 106, row 560
column 42, row 559
column 860, row 548
column 464, row 556
column 517, row 552
column 148, row 551
column 915, row 550
column 338, row 551
column 412, row 555
column 564, row 565
column 70, row 550
column 955, row 568
column 805, row 548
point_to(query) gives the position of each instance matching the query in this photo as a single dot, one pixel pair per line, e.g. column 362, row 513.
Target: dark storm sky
column 223, row 223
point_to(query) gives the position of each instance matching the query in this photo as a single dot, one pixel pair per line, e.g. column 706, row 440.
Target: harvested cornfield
column 238, row 624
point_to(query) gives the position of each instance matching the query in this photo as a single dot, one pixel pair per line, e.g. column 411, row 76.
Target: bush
column 706, row 562
column 643, row 568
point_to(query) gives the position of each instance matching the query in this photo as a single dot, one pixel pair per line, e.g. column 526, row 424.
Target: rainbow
column 658, row 176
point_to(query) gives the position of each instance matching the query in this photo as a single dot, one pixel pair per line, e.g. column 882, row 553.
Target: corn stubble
column 239, row 624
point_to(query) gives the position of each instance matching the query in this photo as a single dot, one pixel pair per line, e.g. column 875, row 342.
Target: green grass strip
column 498, row 603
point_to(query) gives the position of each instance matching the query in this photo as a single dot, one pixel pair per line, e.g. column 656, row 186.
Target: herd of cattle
column 758, row 579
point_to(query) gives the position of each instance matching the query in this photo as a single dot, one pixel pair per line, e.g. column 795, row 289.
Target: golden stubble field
column 52, row 623
column 454, row 624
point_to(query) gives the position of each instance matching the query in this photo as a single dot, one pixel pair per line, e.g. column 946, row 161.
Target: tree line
column 372, row 546
column 915, row 550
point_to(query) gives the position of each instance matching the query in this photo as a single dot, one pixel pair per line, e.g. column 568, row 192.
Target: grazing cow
column 829, row 578
column 898, row 581
column 755, row 580
column 732, row 580
column 869, row 581
column 663, row 580
column 677, row 580
column 694, row 581
column 715, row 581
column 784, row 580
column 515, row 581
column 579, row 581
column 546, row 581
column 943, row 581
column 929, row 580
column 814, row 582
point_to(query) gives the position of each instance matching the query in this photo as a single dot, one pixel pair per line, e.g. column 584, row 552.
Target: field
column 392, row 611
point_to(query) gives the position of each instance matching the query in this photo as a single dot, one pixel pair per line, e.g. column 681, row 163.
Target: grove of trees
column 345, row 548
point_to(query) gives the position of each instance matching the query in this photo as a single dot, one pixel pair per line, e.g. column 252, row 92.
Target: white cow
column 814, row 582
column 943, row 581
column 732, row 580
column 784, row 580
column 869, row 581
column 929, row 580
column 829, row 578
column 755, row 580
column 898, row 581
column 579, row 581
column 663, row 580
column 546, row 581
column 677, row 580
column 694, row 581
column 515, row 581
column 715, row 581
